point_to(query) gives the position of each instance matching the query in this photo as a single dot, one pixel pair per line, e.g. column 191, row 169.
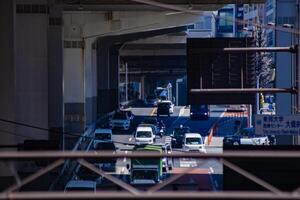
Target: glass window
column 193, row 141
column 143, row 134
column 103, row 136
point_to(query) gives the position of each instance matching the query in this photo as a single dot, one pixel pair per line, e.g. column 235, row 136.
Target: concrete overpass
column 51, row 69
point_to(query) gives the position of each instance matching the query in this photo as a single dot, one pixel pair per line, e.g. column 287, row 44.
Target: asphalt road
column 210, row 170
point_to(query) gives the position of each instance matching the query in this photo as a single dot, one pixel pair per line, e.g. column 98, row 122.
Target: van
column 144, row 135
column 193, row 142
column 102, row 135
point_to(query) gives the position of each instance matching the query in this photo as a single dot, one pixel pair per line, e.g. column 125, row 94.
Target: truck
column 146, row 171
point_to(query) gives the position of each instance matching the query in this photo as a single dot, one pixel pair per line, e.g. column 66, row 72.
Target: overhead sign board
column 277, row 125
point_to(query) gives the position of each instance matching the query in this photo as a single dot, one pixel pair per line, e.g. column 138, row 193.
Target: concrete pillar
column 74, row 87
column 114, row 76
column 55, row 72
column 7, row 71
column 90, row 68
column 7, row 83
column 103, row 100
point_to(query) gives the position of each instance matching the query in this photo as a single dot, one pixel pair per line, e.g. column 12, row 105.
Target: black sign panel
column 209, row 67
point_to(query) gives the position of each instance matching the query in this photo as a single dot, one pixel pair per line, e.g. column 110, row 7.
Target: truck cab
column 146, row 171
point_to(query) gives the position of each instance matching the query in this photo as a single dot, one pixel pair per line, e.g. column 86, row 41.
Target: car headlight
column 205, row 113
column 191, row 113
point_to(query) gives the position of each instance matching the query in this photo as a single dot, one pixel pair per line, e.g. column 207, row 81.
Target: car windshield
column 103, row 136
column 143, row 134
column 193, row 141
column 144, row 175
column 199, row 107
column 120, row 116
column 150, row 121
column 164, row 105
column 105, row 146
column 181, row 131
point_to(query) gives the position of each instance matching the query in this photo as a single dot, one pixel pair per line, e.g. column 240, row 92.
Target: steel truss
column 152, row 193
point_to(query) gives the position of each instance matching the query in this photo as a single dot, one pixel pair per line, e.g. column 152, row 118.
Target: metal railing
column 83, row 144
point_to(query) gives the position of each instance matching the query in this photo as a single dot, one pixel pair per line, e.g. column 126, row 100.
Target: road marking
column 180, row 114
column 153, row 111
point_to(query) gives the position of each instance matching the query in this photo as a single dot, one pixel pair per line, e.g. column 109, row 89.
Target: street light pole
column 293, row 98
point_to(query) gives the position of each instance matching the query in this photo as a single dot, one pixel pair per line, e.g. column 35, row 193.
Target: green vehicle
column 146, row 171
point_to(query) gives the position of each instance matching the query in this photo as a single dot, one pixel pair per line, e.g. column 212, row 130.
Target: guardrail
column 83, row 144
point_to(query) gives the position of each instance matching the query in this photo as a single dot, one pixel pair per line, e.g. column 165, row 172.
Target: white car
column 193, row 142
column 144, row 135
column 80, row 185
column 102, row 135
column 120, row 120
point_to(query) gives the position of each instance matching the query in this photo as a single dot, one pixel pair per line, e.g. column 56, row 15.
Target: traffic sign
column 277, row 124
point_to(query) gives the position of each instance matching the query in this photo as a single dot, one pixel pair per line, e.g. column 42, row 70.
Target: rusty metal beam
column 244, row 90
column 22, row 155
column 157, row 195
column 292, row 49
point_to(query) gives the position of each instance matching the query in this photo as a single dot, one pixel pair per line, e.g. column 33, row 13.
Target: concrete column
column 114, row 77
column 55, row 72
column 74, row 88
column 103, row 100
column 90, row 68
column 7, row 71
column 7, row 83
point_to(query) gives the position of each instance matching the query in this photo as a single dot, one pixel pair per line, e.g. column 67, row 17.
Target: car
column 144, row 135
column 154, row 128
column 246, row 137
column 83, row 173
column 106, row 164
column 199, row 111
column 81, row 185
column 178, row 134
column 193, row 142
column 120, row 120
column 102, row 135
column 151, row 100
column 165, row 107
column 153, row 121
column 129, row 114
